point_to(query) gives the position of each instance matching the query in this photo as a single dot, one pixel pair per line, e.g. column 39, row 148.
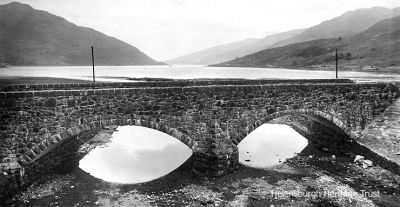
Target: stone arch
column 56, row 140
column 184, row 138
column 316, row 113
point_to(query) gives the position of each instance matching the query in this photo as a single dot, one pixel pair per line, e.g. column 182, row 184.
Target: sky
column 165, row 29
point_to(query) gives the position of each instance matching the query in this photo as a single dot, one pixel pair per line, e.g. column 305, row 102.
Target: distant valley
column 376, row 46
column 230, row 51
column 364, row 37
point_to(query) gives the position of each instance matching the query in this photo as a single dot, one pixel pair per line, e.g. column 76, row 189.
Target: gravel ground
column 316, row 177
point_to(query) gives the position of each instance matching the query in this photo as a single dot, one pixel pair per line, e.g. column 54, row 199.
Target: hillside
column 230, row 51
column 350, row 23
column 385, row 26
column 379, row 45
column 35, row 37
column 211, row 55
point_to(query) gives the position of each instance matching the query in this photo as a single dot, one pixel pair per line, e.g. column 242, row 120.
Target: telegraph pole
column 336, row 57
column 94, row 79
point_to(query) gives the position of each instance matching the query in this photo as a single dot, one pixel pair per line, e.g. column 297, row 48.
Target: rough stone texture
column 211, row 117
column 171, row 83
column 11, row 173
column 382, row 136
column 61, row 158
column 319, row 132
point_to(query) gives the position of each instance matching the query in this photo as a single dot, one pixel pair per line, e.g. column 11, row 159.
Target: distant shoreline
column 37, row 80
column 381, row 71
column 11, row 78
column 385, row 71
column 16, row 80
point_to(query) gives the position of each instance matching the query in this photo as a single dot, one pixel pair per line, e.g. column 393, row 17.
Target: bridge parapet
column 211, row 119
column 170, row 83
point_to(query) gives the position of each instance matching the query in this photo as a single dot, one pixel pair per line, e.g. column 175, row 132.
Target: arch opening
column 269, row 145
column 286, row 136
column 136, row 154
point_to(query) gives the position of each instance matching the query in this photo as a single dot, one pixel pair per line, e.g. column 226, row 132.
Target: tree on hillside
column 348, row 56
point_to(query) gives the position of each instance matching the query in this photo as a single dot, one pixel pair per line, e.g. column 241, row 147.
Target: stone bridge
column 211, row 117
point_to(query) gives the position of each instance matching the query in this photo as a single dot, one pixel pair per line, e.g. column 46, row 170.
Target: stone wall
column 63, row 158
column 211, row 119
column 175, row 83
column 34, row 120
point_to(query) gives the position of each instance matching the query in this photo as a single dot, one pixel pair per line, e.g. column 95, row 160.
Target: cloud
column 168, row 28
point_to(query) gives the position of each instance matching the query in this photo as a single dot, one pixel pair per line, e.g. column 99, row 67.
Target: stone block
column 31, row 153
column 89, row 92
column 71, row 103
column 138, row 122
column 76, row 93
column 42, row 146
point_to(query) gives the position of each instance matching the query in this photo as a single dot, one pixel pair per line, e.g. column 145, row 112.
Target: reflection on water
column 135, row 155
column 270, row 144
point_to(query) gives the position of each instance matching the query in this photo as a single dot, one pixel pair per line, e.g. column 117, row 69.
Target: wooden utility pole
column 336, row 64
column 94, row 79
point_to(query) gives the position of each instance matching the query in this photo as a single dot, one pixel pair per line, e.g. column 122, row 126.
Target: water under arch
column 135, row 155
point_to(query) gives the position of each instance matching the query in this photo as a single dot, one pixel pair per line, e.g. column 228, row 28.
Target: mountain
column 211, row 55
column 385, row 26
column 378, row 45
column 230, row 51
column 350, row 23
column 35, row 37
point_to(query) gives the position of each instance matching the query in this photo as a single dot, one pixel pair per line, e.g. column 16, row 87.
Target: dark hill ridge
column 35, row 37
column 379, row 45
column 385, row 26
column 350, row 23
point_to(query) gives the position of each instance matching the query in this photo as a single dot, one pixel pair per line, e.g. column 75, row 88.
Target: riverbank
column 331, row 69
column 315, row 177
column 4, row 81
